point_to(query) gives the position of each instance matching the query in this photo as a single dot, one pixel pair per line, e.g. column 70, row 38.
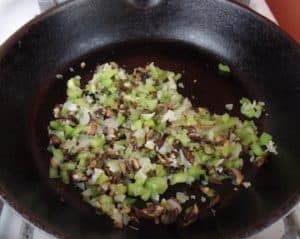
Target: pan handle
column 144, row 3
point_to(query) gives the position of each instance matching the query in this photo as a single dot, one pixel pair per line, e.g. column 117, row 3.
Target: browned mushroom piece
column 191, row 215
column 149, row 212
column 93, row 163
column 169, row 216
column 92, row 128
column 54, row 140
column 260, row 160
column 188, row 154
column 150, row 134
column 220, row 139
column 159, row 142
column 215, row 200
column 238, row 177
column 116, row 178
column 135, row 164
column 72, row 118
column 195, row 137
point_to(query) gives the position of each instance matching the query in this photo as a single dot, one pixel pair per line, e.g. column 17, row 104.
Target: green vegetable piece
column 265, row 138
column 251, row 109
column 129, row 201
column 201, row 157
column 102, row 178
column 134, row 189
column 157, row 184
column 149, row 104
column 106, row 203
column 120, row 119
column 196, row 171
column 73, row 88
column 65, row 176
column 137, row 124
column 224, row 68
column 149, row 123
column 58, row 154
column 55, row 124
column 257, row 149
column 120, row 189
column 180, row 177
column 97, row 142
column 69, row 166
column 183, row 138
column 160, row 171
column 53, row 172
column 146, row 194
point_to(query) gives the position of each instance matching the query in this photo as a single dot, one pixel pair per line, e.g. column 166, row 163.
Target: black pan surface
column 185, row 36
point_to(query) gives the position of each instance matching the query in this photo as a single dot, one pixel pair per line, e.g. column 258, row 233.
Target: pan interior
column 203, row 84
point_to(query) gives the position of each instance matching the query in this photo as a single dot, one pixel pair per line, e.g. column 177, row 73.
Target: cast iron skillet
column 189, row 36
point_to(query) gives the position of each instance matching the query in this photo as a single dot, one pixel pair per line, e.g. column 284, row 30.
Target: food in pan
column 128, row 140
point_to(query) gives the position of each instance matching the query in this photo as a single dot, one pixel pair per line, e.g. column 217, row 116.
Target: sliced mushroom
column 149, row 212
column 135, row 164
column 92, row 128
column 188, row 154
column 238, row 177
column 169, row 217
column 54, row 140
column 260, row 161
column 190, row 216
column 214, row 201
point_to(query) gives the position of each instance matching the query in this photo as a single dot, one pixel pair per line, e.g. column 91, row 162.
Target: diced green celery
column 160, row 171
column 97, row 142
column 128, row 152
column 170, row 139
column 102, row 178
column 134, row 189
column 223, row 68
column 53, row 172
column 156, row 73
column 157, row 184
column 121, row 189
column 234, row 163
column 190, row 120
column 55, row 124
column 201, row 157
column 159, row 127
column 179, row 177
column 129, row 201
column 65, row 176
column 140, row 177
column 149, row 104
column 257, row 149
column 84, row 155
column 138, row 124
column 68, row 166
column 149, row 123
column 265, row 138
column 183, row 138
column 196, row 171
column 120, row 119
column 58, row 154
column 68, row 130
column 92, row 87
column 146, row 194
column 247, row 134
column 251, row 109
column 106, row 203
